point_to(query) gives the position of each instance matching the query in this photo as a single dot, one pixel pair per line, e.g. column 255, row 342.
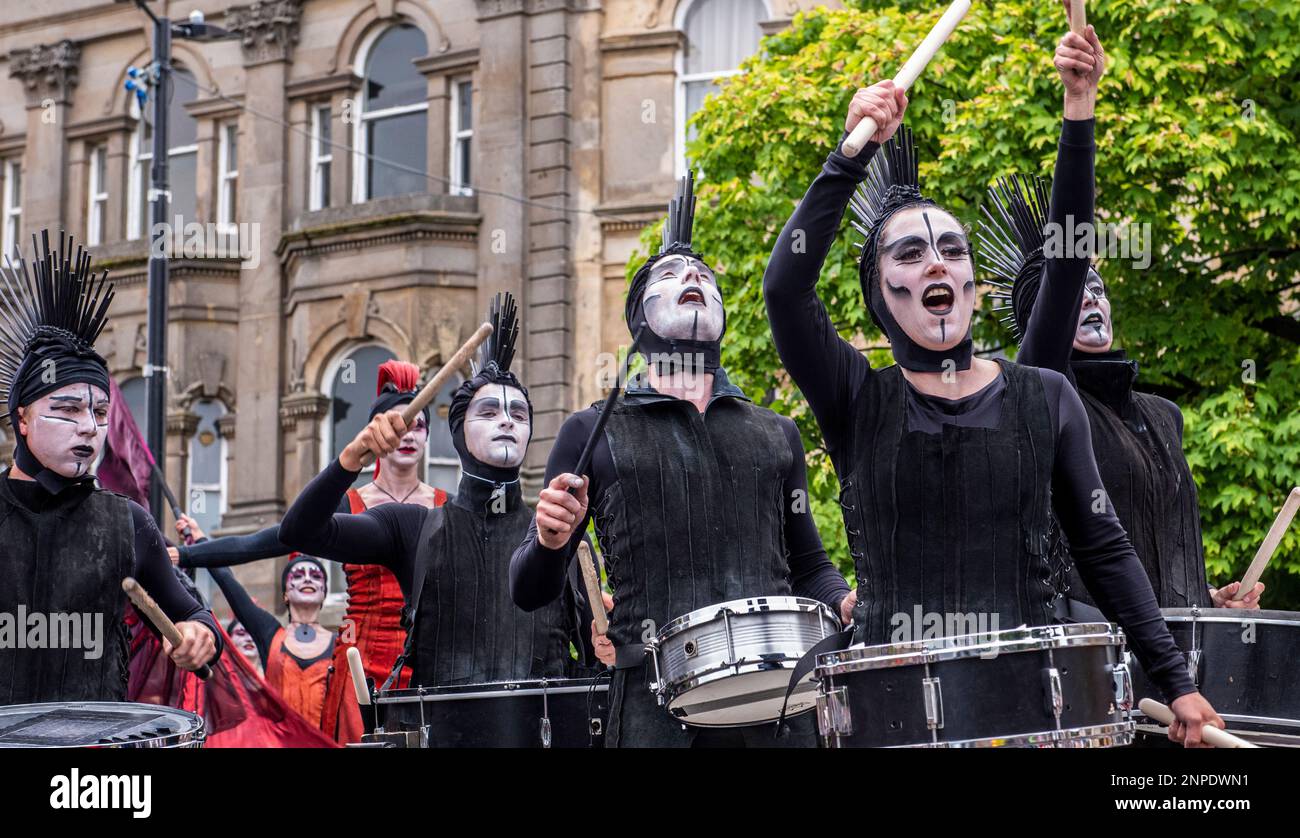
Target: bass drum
column 558, row 713
column 98, row 724
column 1244, row 663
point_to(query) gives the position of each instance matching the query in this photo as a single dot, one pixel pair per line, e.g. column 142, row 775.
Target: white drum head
column 749, row 699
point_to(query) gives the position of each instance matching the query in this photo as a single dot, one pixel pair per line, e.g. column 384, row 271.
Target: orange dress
column 372, row 623
column 302, row 688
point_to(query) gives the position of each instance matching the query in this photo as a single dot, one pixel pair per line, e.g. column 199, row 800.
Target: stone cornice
column 320, row 86
column 99, row 127
column 296, row 406
column 214, row 108
column 673, row 39
column 448, row 63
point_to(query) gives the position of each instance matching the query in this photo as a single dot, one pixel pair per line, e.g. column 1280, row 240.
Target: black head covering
column 50, row 318
column 892, row 185
column 1013, row 239
column 491, row 367
column 296, row 558
column 676, row 242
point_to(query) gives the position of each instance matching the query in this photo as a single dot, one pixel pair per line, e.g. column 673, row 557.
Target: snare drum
column 554, row 713
column 1244, row 663
column 98, row 724
column 1060, row 686
column 729, row 665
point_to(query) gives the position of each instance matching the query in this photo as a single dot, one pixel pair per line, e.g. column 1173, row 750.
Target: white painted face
column 65, row 429
column 1095, row 332
column 244, row 642
column 682, row 300
column 927, row 276
column 497, row 427
column 411, row 451
column 305, row 585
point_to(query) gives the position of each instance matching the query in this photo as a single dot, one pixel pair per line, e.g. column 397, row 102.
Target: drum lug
column 833, row 716
column 1123, row 687
column 546, row 732
column 1055, row 695
column 933, row 694
column 1194, row 666
column 656, row 686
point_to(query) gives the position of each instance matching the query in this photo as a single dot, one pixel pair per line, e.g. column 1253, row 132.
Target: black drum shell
column 1248, row 669
column 998, row 697
column 506, row 715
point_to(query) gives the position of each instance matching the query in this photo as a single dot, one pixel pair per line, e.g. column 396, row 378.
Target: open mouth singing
column 691, row 296
column 939, row 299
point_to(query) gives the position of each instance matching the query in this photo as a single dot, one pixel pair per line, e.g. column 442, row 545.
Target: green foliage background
column 1197, row 137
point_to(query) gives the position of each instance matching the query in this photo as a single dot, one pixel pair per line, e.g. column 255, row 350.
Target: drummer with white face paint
column 698, row 496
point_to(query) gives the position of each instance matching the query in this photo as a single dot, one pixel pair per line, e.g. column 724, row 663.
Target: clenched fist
column 885, row 102
column 558, row 512
column 381, row 437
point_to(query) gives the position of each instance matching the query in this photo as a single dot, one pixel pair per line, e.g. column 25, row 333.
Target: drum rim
column 195, row 736
column 709, row 613
column 1234, row 616
column 1088, row 736
column 917, row 652
column 412, row 695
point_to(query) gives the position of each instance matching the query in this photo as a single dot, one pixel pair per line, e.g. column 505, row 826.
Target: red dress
column 303, row 688
column 372, row 623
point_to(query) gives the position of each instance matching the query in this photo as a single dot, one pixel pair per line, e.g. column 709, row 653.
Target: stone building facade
column 516, row 145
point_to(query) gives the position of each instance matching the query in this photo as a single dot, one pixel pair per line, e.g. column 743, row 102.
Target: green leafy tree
column 1197, row 128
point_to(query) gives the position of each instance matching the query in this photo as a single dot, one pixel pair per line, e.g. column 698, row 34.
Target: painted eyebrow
column 952, row 236
column 76, row 399
column 519, row 404
column 899, row 244
column 490, row 401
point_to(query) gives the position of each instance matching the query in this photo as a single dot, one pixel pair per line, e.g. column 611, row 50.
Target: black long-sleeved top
column 537, row 572
column 152, row 568
column 232, row 550
column 830, row 372
column 260, row 624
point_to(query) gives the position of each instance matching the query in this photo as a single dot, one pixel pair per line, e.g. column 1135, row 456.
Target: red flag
column 127, row 465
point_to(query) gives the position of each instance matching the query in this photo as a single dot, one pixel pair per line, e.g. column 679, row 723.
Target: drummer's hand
column 381, row 437
column 185, row 522
column 1191, row 713
column 604, row 646
column 558, row 512
column 1223, row 596
column 198, row 645
column 846, row 608
column 885, row 102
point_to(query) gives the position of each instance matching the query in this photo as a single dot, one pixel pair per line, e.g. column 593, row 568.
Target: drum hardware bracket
column 1054, row 694
column 546, row 717
column 834, row 716
column 933, row 695
column 1123, row 687
column 656, row 686
column 1194, row 666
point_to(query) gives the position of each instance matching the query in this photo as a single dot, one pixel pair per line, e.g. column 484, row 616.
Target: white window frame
column 141, row 159
column 360, row 186
column 459, row 135
column 317, row 198
column 202, row 580
column 96, row 194
column 227, row 178
column 684, row 78
column 11, row 215
column 430, row 461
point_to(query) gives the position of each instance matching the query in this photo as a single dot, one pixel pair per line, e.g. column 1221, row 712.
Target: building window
column 182, row 158
column 394, row 118
column 96, row 194
column 351, row 388
column 719, row 35
column 462, row 135
column 322, row 155
column 13, row 204
column 441, row 463
column 207, row 467
column 227, row 175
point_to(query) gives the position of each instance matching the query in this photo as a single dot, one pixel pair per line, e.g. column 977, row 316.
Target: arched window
column 207, row 466
column 182, row 157
column 394, row 117
column 350, row 387
column 442, row 464
column 719, row 35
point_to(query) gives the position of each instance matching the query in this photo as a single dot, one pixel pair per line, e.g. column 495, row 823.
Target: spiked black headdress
column 51, row 314
column 491, row 367
column 678, row 227
column 892, row 185
column 1012, row 239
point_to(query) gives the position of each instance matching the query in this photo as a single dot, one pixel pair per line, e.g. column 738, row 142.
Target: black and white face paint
column 1094, row 332
column 497, row 427
column 65, row 429
column 682, row 300
column 304, row 585
column 927, row 277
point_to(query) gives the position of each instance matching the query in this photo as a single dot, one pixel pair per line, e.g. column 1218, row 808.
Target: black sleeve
column 1050, row 333
column 386, row 535
column 154, row 572
column 258, row 622
column 1101, row 549
column 233, row 549
column 811, row 572
column 536, row 571
column 827, row 369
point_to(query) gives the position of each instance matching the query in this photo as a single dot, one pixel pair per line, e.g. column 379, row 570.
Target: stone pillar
column 48, row 74
column 301, row 414
column 268, row 31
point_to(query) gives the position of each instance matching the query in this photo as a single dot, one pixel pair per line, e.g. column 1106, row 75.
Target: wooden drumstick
column 1269, row 547
column 1078, row 18
column 862, row 132
column 358, row 676
column 592, row 578
column 1212, row 735
column 150, row 610
column 430, row 391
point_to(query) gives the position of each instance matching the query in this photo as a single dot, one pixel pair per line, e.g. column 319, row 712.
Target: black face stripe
column 901, row 291
column 59, row 419
column 930, row 231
